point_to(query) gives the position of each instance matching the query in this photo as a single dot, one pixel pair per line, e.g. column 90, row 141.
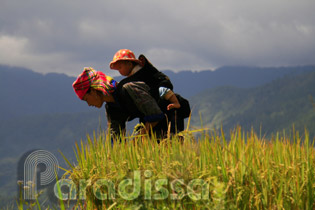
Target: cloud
column 14, row 51
column 169, row 59
column 64, row 36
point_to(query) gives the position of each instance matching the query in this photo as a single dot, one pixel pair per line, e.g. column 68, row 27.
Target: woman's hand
column 147, row 127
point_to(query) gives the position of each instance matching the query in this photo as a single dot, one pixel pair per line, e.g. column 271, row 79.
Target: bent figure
column 132, row 100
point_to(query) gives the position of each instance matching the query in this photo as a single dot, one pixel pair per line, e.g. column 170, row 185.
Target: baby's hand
column 173, row 106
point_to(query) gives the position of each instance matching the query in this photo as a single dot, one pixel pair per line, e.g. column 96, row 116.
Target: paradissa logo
column 105, row 189
column 130, row 189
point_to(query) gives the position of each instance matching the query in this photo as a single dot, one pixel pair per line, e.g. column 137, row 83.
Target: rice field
column 211, row 171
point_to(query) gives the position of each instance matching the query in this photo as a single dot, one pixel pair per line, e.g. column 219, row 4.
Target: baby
column 142, row 70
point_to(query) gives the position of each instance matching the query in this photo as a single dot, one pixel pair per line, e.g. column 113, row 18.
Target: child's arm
column 171, row 97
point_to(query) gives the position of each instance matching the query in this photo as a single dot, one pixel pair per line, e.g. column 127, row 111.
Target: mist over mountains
column 40, row 111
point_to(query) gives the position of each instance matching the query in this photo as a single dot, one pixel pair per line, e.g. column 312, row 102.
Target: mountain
column 43, row 111
column 189, row 83
column 24, row 92
column 272, row 107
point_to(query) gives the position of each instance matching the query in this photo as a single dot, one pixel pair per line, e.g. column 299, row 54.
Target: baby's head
column 124, row 61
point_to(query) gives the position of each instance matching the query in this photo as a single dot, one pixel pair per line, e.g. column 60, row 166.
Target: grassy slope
column 275, row 106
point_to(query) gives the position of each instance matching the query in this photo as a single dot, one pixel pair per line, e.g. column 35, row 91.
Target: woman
column 132, row 100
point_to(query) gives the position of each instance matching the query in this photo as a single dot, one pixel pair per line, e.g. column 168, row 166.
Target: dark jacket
column 132, row 100
column 150, row 76
column 155, row 79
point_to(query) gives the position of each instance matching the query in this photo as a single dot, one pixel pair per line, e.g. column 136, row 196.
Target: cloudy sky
column 66, row 35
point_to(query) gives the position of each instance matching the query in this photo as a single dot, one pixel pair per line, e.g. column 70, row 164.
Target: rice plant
column 209, row 172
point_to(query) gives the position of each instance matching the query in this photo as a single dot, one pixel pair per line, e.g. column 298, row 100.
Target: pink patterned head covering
column 90, row 78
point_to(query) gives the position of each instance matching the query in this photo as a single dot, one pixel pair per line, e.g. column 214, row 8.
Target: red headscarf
column 90, row 78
